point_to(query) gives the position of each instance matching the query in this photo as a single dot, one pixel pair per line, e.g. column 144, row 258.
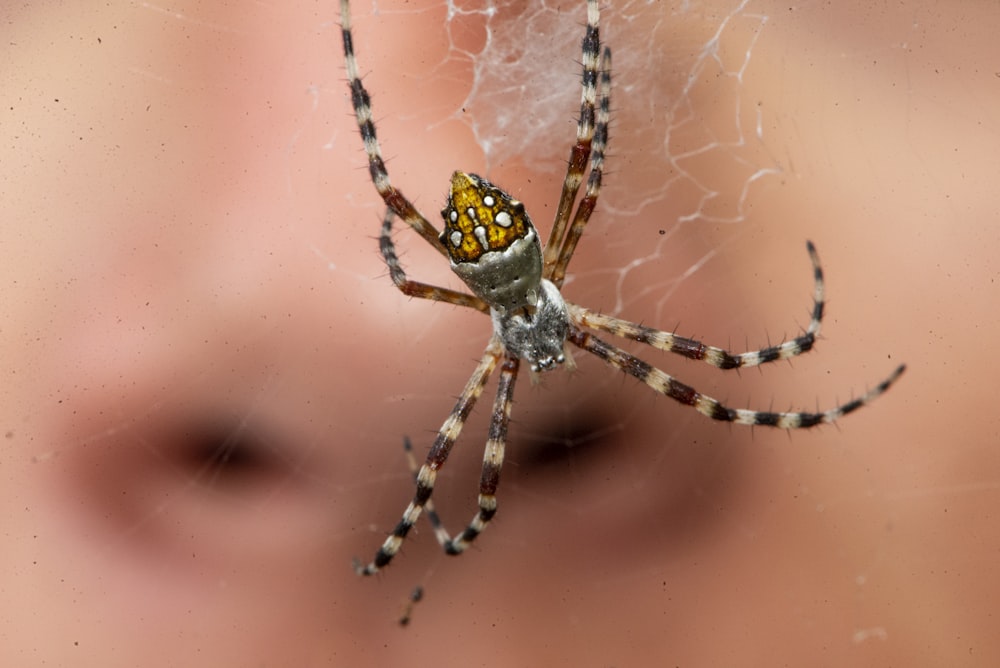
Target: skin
column 189, row 268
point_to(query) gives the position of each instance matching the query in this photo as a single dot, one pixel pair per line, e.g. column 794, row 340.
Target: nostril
column 220, row 452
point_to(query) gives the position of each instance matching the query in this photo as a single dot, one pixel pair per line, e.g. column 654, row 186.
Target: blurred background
column 209, row 374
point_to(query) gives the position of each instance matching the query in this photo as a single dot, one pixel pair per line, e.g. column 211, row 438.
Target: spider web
column 685, row 141
column 687, row 150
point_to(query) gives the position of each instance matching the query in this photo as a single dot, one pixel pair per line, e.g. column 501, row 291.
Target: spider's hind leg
column 588, row 203
column 580, row 153
column 414, row 288
column 696, row 350
column 362, row 103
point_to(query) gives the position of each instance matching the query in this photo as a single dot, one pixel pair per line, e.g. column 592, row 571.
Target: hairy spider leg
column 362, row 103
column 682, row 393
column 415, row 288
column 436, row 458
column 580, row 153
column 696, row 350
column 589, row 200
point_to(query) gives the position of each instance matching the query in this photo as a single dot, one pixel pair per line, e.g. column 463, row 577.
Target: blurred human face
column 209, row 375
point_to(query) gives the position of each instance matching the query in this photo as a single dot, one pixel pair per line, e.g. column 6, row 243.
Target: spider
column 495, row 249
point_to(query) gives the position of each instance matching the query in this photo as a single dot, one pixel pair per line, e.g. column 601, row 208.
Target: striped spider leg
column 721, row 359
column 494, row 248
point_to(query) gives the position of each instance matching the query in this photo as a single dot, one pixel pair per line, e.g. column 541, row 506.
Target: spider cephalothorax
column 494, row 248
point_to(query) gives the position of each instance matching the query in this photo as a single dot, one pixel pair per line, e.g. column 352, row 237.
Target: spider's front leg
column 437, row 457
column 492, row 463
